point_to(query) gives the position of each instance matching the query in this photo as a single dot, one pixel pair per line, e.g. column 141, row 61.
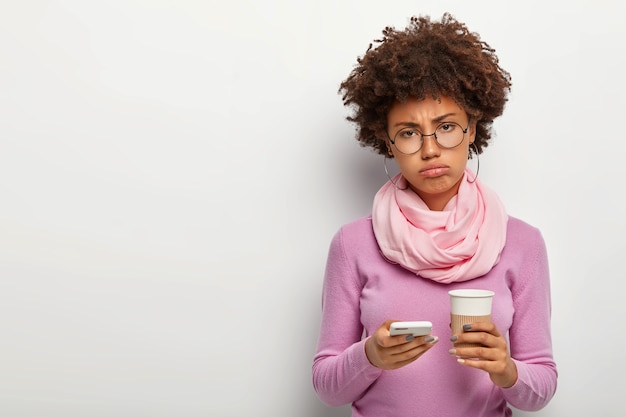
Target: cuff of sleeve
column 521, row 395
column 361, row 363
column 516, row 388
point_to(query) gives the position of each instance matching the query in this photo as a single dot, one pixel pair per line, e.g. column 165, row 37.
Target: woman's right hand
column 392, row 352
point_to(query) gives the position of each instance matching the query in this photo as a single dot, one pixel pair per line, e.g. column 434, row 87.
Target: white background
column 172, row 172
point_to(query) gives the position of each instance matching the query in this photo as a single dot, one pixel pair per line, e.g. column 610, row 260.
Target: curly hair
column 427, row 58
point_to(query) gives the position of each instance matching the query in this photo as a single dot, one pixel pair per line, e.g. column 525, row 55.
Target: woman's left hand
column 492, row 356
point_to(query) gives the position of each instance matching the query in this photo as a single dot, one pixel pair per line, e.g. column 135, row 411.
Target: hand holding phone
column 415, row 328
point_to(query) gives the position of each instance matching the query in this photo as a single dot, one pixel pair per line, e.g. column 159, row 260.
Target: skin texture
column 434, row 173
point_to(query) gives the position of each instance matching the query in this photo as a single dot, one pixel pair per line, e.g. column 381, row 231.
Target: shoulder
column 352, row 246
column 520, row 232
column 356, row 236
column 360, row 226
column 525, row 246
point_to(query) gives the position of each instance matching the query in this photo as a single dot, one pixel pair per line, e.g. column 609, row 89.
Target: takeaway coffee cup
column 468, row 306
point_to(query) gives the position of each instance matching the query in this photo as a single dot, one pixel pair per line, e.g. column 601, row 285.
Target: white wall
column 172, row 172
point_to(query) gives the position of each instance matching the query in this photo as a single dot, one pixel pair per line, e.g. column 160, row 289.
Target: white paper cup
column 468, row 306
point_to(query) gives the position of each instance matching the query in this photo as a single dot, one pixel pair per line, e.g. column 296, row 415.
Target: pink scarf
column 462, row 242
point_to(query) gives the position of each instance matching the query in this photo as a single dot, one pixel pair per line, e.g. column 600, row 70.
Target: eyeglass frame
column 393, row 142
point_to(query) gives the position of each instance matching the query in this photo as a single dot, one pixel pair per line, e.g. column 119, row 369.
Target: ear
column 382, row 135
column 389, row 149
column 472, row 132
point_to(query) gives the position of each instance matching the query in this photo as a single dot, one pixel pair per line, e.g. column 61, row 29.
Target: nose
column 430, row 147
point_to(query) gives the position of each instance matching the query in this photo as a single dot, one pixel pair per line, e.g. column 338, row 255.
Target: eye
column 447, row 127
column 408, row 133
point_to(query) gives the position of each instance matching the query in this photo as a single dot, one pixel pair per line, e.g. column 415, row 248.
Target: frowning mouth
column 434, row 170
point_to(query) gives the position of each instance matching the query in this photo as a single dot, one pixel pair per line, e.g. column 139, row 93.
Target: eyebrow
column 437, row 119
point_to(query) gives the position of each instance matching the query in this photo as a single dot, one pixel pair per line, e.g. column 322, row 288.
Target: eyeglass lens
column 410, row 140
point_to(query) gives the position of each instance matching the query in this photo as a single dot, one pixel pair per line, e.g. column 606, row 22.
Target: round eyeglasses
column 448, row 135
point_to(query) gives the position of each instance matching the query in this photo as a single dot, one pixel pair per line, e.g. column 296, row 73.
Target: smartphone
column 415, row 328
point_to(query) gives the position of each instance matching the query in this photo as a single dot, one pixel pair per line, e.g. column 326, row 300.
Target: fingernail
column 410, row 337
column 452, row 351
column 454, row 338
column 428, row 339
column 459, row 360
column 467, row 327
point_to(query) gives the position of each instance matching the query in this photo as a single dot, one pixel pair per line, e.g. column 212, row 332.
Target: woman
column 427, row 96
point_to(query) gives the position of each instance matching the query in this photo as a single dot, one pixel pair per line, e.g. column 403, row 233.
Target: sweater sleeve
column 341, row 370
column 530, row 334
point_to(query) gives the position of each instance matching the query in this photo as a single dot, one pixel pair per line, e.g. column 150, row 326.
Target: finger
column 406, row 338
column 396, row 356
column 486, row 347
column 477, row 338
column 482, row 326
column 492, row 367
column 479, row 352
column 413, row 349
column 475, row 363
column 389, row 342
column 405, row 345
column 403, row 358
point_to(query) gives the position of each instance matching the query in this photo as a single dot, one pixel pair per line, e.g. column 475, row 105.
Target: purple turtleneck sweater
column 361, row 290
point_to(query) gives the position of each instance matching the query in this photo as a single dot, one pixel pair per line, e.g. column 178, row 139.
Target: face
column 433, row 172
